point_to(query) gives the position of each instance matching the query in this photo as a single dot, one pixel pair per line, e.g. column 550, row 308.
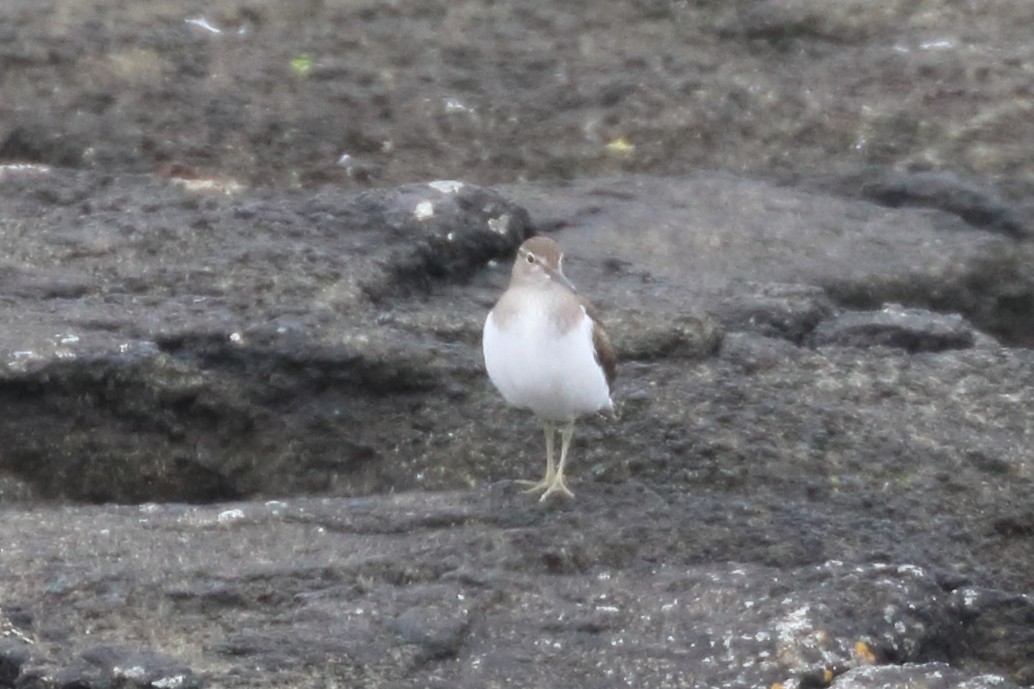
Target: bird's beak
column 562, row 279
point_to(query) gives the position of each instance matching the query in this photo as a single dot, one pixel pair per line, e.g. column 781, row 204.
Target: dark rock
column 750, row 254
column 157, row 380
column 916, row 676
column 17, row 282
column 438, row 630
column 754, row 353
column 272, row 344
column 111, row 666
column 660, row 335
column 14, row 653
column 140, row 668
column 913, row 330
column 435, row 231
column 776, row 310
column 998, row 626
column 773, row 515
column 668, row 586
column 787, row 23
column 943, row 190
column 13, row 489
column 37, row 143
column 206, row 597
column 411, row 105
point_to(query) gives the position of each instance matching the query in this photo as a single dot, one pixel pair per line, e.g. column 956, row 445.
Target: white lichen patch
column 134, row 672
column 423, row 211
column 456, row 105
column 228, row 187
column 799, row 642
column 9, row 630
column 446, row 186
column 230, row 516
column 500, row 225
column 20, row 360
column 14, row 169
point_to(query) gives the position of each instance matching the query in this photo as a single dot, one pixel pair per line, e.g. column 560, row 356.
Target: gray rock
column 999, row 625
column 946, row 191
column 778, row 258
column 160, row 343
column 917, row 675
column 776, row 310
column 913, row 330
column 111, row 666
column 755, row 352
column 641, row 336
column 479, row 587
column 14, row 654
column 788, row 23
column 771, row 514
column 439, row 630
column 832, row 88
column 155, row 376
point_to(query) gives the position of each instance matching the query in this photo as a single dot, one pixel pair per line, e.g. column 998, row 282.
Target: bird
column 546, row 351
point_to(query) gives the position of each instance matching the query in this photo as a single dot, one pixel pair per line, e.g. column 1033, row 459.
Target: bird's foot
column 557, row 486
column 538, row 486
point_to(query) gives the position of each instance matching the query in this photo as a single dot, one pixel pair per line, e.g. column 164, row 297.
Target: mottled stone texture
column 795, row 491
column 245, row 437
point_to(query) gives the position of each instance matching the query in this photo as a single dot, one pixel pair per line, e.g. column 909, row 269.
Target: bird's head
column 539, row 262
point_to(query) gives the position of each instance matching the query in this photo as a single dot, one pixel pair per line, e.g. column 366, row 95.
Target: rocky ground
column 246, row 438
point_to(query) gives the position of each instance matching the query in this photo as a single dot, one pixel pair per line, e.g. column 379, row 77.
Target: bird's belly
column 556, row 376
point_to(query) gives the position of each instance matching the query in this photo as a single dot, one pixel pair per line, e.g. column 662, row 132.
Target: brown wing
column 606, row 357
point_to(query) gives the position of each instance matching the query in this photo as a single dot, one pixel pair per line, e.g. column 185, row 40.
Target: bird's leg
column 557, row 485
column 547, row 480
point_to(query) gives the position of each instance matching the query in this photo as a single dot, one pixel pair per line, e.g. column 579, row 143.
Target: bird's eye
column 531, row 258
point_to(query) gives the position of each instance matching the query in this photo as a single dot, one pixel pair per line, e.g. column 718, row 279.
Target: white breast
column 553, row 374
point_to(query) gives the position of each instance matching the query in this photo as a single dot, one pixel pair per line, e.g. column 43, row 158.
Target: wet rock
column 107, row 666
column 776, row 310
column 753, row 352
column 911, row 92
column 448, row 231
column 978, row 206
column 771, row 512
column 662, row 335
column 786, row 23
column 918, row 675
column 913, row 330
column 14, row 653
column 775, row 514
column 438, row 630
column 999, row 625
column 404, row 589
column 17, row 282
column 13, row 489
column 775, row 260
column 146, row 368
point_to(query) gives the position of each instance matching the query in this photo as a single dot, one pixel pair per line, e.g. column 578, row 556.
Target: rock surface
column 245, row 438
column 372, row 93
column 914, row 330
column 764, row 512
column 632, row 582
